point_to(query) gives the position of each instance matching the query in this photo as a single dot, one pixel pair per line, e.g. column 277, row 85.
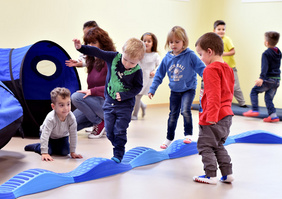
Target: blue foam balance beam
column 38, row 180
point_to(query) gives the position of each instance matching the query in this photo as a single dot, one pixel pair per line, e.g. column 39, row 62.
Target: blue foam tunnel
column 11, row 115
column 31, row 72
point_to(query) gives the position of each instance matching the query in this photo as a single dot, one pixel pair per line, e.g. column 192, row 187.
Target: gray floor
column 257, row 167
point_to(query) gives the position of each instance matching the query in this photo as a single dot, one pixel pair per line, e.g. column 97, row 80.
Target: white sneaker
column 205, row 179
column 134, row 117
column 165, row 144
column 89, row 129
column 187, row 139
column 227, row 179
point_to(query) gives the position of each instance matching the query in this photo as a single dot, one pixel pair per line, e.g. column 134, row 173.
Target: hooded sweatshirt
column 181, row 70
column 270, row 64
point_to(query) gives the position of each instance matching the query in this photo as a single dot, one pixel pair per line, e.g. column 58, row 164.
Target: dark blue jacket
column 270, row 64
column 128, row 83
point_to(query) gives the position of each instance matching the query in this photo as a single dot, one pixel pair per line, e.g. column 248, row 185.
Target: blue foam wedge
column 38, row 180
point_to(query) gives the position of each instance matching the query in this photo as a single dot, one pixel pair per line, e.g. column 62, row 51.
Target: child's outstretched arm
column 77, row 43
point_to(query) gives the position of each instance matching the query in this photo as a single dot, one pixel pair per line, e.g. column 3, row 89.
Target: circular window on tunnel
column 46, row 68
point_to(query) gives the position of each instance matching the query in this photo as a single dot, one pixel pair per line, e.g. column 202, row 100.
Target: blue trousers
column 117, row 120
column 89, row 110
column 269, row 87
column 180, row 102
column 59, row 146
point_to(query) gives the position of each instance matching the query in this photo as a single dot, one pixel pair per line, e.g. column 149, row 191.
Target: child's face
column 176, row 45
column 204, row 55
column 220, row 30
column 147, row 39
column 62, row 107
column 129, row 62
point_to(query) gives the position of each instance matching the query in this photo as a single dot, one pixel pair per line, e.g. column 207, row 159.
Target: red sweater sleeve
column 96, row 81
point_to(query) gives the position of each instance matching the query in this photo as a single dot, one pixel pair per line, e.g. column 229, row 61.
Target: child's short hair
column 154, row 38
column 272, row 37
column 217, row 23
column 59, row 91
column 211, row 40
column 134, row 48
column 179, row 33
column 91, row 24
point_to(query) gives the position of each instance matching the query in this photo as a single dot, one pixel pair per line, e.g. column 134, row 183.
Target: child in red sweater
column 215, row 116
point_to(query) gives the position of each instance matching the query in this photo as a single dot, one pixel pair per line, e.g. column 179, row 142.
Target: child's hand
column 86, row 92
column 74, row 155
column 118, row 98
column 258, row 82
column 77, row 43
column 152, row 74
column 46, row 157
column 71, row 63
column 212, row 122
column 150, row 95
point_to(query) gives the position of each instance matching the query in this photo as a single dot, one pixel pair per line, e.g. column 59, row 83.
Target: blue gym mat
column 237, row 110
column 38, row 180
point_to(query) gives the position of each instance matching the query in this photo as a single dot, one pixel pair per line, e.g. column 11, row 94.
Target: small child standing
column 269, row 79
column 228, row 57
column 148, row 64
column 181, row 66
column 123, row 83
column 216, row 116
column 58, row 126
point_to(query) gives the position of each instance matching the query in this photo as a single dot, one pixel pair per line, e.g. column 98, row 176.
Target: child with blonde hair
column 181, row 65
column 123, row 83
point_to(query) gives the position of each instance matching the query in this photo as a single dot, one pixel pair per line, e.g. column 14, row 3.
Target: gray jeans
column 238, row 94
column 210, row 147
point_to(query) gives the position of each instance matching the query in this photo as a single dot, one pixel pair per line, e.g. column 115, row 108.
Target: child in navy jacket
column 123, row 83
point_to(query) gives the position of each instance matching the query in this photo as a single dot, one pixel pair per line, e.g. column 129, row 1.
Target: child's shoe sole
column 205, row 179
column 269, row 119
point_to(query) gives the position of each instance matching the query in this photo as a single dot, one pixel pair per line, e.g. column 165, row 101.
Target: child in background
column 148, row 65
column 58, row 126
column 216, row 116
column 89, row 103
column 228, row 57
column 269, row 79
column 81, row 61
column 123, row 83
column 181, row 65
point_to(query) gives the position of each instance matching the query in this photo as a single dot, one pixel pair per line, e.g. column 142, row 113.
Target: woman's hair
column 211, row 41
column 154, row 38
column 94, row 35
column 179, row 33
column 91, row 24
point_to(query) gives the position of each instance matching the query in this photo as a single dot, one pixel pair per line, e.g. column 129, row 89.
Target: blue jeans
column 89, row 110
column 59, row 146
column 180, row 101
column 269, row 87
column 117, row 120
